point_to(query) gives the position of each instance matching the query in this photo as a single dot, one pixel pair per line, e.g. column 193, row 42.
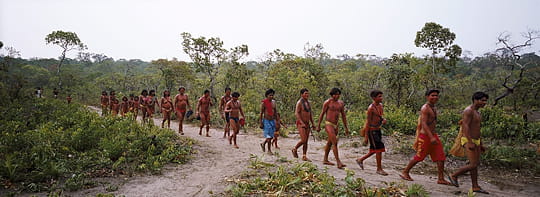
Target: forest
column 509, row 74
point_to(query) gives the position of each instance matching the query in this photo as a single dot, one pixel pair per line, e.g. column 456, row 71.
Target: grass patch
column 46, row 145
column 305, row 179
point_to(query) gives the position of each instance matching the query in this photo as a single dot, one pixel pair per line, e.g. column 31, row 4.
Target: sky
column 150, row 29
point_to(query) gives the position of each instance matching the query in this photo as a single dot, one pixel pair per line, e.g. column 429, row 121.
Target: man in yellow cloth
column 468, row 141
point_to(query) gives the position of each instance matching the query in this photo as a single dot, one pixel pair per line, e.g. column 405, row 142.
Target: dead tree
column 511, row 55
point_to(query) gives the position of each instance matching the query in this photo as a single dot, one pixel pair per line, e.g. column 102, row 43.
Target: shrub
column 46, row 139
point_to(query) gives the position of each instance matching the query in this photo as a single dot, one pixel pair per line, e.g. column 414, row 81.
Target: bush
column 305, row 179
column 46, row 139
column 498, row 124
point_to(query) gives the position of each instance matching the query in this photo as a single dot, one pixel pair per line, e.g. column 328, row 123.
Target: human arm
column 221, row 107
column 198, row 106
column 324, row 109
column 261, row 116
column 344, row 119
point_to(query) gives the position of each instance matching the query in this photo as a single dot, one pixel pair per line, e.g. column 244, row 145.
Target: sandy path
column 216, row 161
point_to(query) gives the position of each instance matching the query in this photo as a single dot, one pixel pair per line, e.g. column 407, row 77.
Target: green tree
column 209, row 54
column 173, row 72
column 399, row 77
column 439, row 40
column 67, row 41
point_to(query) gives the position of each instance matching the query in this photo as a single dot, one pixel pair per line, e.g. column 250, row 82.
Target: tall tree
column 511, row 54
column 209, row 54
column 399, row 77
column 67, row 41
column 438, row 39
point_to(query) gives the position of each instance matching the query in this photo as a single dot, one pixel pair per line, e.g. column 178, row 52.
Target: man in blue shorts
column 268, row 119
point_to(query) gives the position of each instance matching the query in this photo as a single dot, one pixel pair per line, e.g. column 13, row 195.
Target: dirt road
column 215, row 162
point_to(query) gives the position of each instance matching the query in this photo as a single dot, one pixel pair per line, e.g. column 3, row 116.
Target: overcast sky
column 149, row 30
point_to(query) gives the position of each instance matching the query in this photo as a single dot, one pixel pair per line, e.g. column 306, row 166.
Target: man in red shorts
column 427, row 140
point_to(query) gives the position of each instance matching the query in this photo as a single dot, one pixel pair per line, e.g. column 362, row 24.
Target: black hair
column 428, row 92
column 165, row 92
column 227, row 88
column 375, row 93
column 303, row 90
column 152, row 92
column 269, row 91
column 206, row 91
column 181, row 87
column 235, row 94
column 479, row 95
column 144, row 91
column 335, row 91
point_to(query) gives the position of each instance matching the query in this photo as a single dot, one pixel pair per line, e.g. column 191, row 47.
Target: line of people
column 427, row 141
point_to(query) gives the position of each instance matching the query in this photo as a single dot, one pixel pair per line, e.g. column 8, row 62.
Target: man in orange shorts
column 427, row 140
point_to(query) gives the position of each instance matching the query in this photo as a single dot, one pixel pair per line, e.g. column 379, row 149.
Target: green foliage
column 45, row 139
column 400, row 120
column 498, row 124
column 514, row 157
column 416, row 190
column 305, row 179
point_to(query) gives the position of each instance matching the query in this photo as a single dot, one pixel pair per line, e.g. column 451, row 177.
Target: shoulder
column 467, row 111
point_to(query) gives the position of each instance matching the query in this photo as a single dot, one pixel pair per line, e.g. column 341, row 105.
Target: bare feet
column 262, row 147
column 328, row 163
column 405, row 177
column 382, row 172
column 360, row 163
column 294, row 153
column 341, row 166
column 208, row 135
column 444, row 182
column 305, row 159
column 236, row 146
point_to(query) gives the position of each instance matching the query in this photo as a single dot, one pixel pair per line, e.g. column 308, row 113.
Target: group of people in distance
column 427, row 141
column 39, row 94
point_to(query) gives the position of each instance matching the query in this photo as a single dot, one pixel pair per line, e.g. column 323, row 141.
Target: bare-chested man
column 267, row 119
column 470, row 130
column 112, row 97
column 427, row 140
column 151, row 106
column 143, row 104
column 181, row 104
column 124, row 107
column 304, row 118
column 234, row 108
column 166, row 108
column 374, row 122
column 115, row 107
column 225, row 115
column 333, row 107
column 136, row 107
column 203, row 111
column 104, row 103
